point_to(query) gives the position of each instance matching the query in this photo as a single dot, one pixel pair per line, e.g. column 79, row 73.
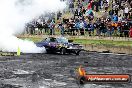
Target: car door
column 46, row 42
column 53, row 42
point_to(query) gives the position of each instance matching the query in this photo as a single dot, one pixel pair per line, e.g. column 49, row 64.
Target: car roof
column 56, row 37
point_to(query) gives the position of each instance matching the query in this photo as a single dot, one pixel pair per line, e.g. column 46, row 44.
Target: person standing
column 61, row 27
column 51, row 26
column 77, row 27
column 81, row 27
column 130, row 31
column 126, row 10
column 109, row 27
column 126, row 29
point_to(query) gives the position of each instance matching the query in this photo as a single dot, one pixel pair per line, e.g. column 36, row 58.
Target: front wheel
column 63, row 51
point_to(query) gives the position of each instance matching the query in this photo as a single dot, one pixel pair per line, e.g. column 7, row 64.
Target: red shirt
column 90, row 5
column 130, row 33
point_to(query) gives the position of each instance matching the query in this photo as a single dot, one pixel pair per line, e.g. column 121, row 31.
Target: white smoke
column 14, row 14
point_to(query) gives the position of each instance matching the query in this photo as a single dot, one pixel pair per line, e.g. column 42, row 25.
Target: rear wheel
column 48, row 51
column 63, row 51
column 77, row 52
column 69, row 53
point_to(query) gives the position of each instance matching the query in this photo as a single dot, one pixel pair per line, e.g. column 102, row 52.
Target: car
column 61, row 45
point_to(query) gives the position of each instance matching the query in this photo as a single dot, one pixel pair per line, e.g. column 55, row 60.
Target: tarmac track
column 55, row 71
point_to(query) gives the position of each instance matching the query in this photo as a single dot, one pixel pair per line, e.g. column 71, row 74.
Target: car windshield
column 62, row 40
column 49, row 40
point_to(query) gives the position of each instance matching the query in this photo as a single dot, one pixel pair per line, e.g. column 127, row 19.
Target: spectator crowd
column 87, row 17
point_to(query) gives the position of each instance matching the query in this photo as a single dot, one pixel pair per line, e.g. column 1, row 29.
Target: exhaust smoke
column 14, row 14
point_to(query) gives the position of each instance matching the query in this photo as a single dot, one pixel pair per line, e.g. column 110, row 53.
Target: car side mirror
column 70, row 41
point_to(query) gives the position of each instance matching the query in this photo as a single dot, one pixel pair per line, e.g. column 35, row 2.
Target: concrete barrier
column 107, row 49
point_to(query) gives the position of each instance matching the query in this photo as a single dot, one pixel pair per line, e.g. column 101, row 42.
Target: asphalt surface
column 55, row 71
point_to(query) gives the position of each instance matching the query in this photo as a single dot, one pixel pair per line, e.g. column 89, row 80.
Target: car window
column 47, row 39
column 62, row 40
column 52, row 39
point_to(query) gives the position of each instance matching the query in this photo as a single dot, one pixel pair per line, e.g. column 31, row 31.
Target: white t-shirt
column 81, row 25
column 126, row 10
column 119, row 18
column 108, row 2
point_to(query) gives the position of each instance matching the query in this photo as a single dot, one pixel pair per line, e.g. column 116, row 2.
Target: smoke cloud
column 14, row 14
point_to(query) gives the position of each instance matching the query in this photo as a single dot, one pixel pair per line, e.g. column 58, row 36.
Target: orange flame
column 81, row 71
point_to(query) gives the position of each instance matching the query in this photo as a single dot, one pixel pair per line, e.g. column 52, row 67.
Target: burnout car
column 61, row 45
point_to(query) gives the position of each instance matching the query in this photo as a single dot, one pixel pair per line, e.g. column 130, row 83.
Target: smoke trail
column 14, row 14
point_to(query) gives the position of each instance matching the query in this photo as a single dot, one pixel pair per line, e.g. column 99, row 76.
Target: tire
column 51, row 52
column 78, row 52
column 63, row 51
column 69, row 53
column 48, row 51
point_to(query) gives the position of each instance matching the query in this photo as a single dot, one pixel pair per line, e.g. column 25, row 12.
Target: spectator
column 111, row 12
column 77, row 27
column 81, row 27
column 109, row 27
column 130, row 32
column 119, row 18
column 52, row 26
column 76, row 13
column 119, row 27
column 46, row 28
column 126, row 29
column 61, row 27
column 102, row 28
column 115, row 29
column 83, row 10
column 115, row 18
column 126, row 10
column 96, row 4
column 89, row 6
column 71, row 7
column 59, row 14
column 122, row 29
column 96, row 26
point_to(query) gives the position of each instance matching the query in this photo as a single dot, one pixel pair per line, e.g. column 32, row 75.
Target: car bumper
column 75, row 49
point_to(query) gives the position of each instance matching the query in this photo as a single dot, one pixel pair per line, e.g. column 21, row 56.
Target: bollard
column 18, row 51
